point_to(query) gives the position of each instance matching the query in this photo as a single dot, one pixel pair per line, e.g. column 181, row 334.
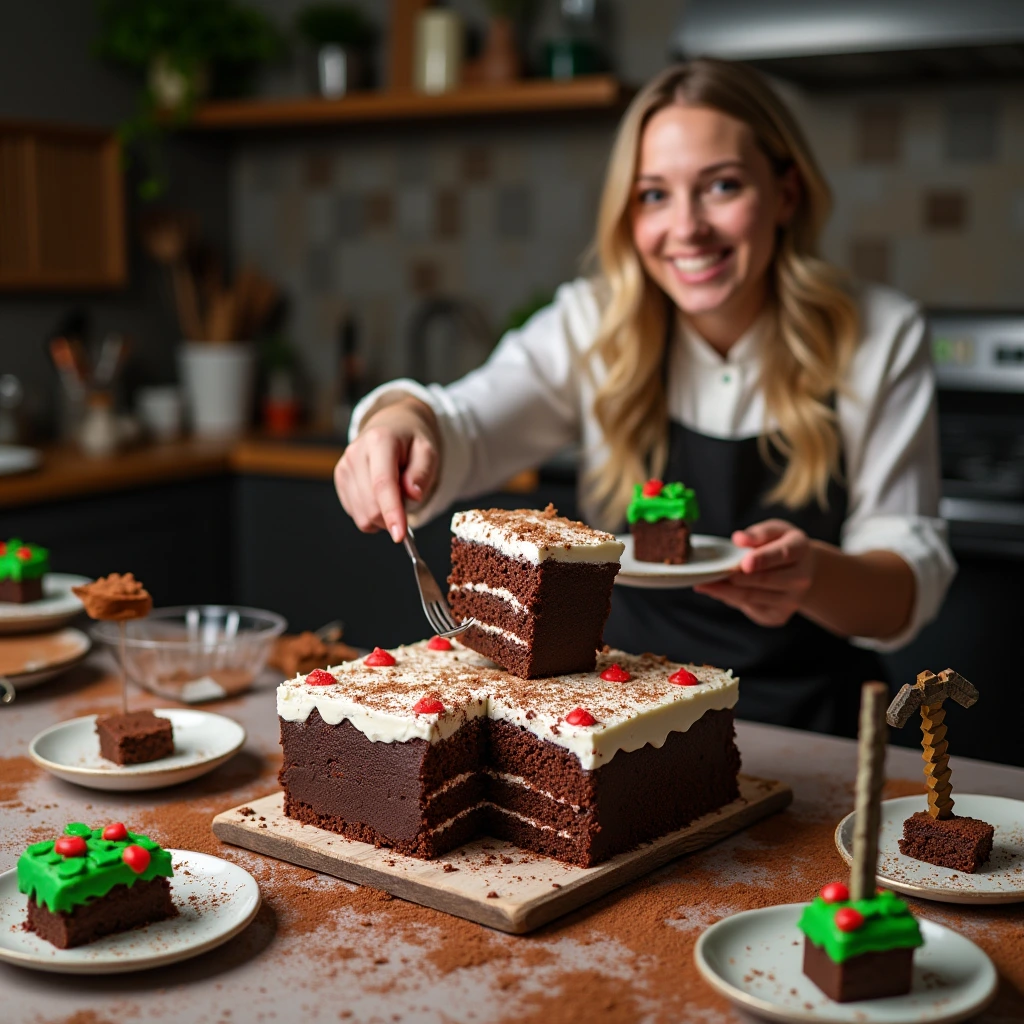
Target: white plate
column 15, row 459
column 215, row 901
column 711, row 558
column 1001, row 880
column 755, row 959
column 43, row 655
column 56, row 607
column 202, row 741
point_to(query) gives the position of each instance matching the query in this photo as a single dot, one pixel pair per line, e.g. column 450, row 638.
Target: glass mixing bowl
column 195, row 652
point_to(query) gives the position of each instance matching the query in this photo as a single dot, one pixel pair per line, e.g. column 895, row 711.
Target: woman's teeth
column 695, row 264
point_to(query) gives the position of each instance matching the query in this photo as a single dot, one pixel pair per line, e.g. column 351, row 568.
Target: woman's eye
column 647, row 196
column 724, row 186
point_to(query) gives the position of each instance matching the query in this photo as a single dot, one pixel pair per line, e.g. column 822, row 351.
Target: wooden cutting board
column 489, row 881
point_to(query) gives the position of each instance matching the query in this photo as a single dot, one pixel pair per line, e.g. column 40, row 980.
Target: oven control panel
column 978, row 352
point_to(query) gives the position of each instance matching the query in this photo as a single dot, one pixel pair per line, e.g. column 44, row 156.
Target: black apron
column 798, row 674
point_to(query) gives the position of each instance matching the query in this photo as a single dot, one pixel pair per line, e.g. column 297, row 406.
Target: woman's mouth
column 697, row 269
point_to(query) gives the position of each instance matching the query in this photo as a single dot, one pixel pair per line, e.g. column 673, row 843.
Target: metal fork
column 435, row 607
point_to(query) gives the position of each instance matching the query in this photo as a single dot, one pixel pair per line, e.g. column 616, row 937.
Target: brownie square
column 666, row 541
column 963, row 844
column 21, row 591
column 135, row 738
column 123, row 908
column 868, row 976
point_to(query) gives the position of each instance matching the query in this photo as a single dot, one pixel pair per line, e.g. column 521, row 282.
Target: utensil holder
column 218, row 382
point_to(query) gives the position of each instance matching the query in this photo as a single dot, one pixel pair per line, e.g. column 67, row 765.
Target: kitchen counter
column 66, row 473
column 323, row 950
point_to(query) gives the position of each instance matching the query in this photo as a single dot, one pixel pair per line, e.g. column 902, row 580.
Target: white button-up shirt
column 534, row 396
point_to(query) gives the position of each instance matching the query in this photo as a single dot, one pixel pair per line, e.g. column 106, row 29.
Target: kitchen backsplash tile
column 927, row 183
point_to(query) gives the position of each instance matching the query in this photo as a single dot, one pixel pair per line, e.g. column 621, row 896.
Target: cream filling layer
column 488, row 628
column 504, row 810
column 518, row 780
column 499, row 592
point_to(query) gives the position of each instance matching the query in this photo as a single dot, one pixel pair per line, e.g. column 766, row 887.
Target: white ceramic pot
column 218, row 382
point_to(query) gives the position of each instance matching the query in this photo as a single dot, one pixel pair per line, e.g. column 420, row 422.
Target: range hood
column 849, row 42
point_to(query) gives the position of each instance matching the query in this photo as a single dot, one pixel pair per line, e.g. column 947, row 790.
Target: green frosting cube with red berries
column 848, row 928
column 655, row 501
column 86, row 863
column 20, row 561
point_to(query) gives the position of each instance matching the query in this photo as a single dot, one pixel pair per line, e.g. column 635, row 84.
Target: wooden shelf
column 595, row 92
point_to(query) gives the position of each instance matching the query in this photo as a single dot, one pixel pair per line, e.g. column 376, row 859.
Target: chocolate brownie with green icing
column 660, row 517
column 89, row 882
column 22, row 568
column 859, row 949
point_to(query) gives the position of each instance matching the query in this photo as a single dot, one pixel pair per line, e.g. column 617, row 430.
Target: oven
column 979, row 364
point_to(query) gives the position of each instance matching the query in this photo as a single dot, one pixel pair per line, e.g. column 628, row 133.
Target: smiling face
column 706, row 205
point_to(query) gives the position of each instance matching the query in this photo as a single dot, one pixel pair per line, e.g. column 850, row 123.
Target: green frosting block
column 888, row 924
column 674, row 502
column 63, row 883
column 20, row 561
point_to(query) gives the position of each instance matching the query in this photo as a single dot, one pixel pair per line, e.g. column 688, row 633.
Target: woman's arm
column 865, row 595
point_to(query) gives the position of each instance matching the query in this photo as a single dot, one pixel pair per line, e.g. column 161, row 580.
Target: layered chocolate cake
column 539, row 586
column 861, row 949
column 660, row 518
column 425, row 747
column 93, row 882
column 22, row 568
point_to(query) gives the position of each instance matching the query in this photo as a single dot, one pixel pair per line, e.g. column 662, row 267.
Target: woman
column 713, row 347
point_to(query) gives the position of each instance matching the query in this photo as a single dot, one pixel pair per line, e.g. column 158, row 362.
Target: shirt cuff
column 453, row 456
column 921, row 542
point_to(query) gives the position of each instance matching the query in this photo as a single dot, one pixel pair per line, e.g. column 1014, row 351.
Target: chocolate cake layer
column 666, row 541
column 135, row 738
column 21, row 591
column 559, row 625
column 868, row 976
column 504, row 781
column 123, row 908
column 963, row 844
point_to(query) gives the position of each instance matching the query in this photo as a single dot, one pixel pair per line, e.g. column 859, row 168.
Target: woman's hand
column 395, row 457
column 774, row 576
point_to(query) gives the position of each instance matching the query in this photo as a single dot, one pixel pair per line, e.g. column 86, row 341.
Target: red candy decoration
column 652, row 488
column 616, row 674
column 427, row 706
column 116, row 832
column 578, row 716
column 136, row 858
column 848, row 919
column 439, row 643
column 684, row 678
column 70, row 846
column 379, row 658
column 835, row 892
column 3, row 548
column 24, row 554
column 318, row 677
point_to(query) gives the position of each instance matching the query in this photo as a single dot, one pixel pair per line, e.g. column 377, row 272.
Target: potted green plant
column 180, row 50
column 340, row 36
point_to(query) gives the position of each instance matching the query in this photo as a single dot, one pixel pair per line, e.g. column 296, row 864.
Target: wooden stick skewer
column 874, row 697
column 124, row 667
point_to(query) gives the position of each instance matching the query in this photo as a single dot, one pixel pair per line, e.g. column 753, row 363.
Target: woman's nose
column 687, row 219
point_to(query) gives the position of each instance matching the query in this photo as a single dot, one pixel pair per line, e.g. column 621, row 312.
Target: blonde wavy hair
column 814, row 319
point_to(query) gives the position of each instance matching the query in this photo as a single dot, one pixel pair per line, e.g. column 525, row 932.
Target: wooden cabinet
column 61, row 208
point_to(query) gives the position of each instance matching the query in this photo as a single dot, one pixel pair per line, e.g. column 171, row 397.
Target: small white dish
column 755, row 960
column 202, row 741
column 1000, row 880
column 32, row 659
column 17, row 459
column 56, row 607
column 215, row 901
column 711, row 558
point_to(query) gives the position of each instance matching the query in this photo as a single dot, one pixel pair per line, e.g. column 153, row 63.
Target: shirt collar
column 747, row 348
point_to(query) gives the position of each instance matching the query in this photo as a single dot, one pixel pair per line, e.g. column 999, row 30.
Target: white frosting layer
column 379, row 701
column 535, row 536
column 513, row 638
column 499, row 592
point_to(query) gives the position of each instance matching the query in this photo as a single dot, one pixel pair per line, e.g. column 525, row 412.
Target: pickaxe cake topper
column 938, row 835
column 926, row 696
